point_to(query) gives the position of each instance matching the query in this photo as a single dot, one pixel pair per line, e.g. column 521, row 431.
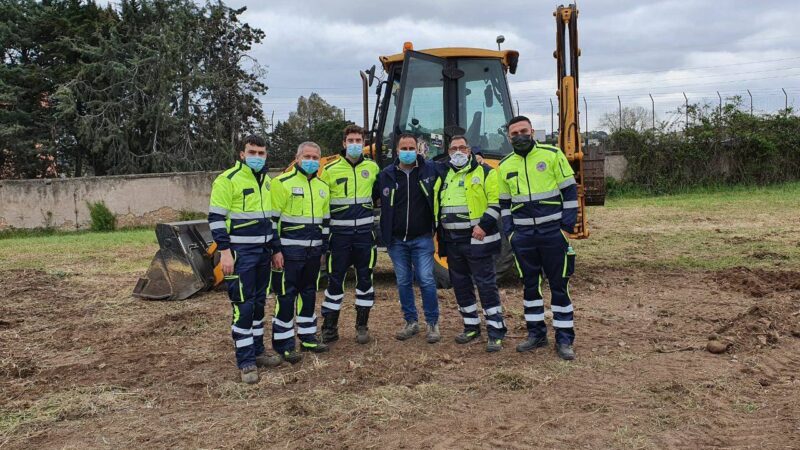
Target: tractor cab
column 439, row 93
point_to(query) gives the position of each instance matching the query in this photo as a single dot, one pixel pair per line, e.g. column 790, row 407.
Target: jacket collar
column 244, row 167
column 469, row 167
column 300, row 171
column 525, row 154
column 353, row 164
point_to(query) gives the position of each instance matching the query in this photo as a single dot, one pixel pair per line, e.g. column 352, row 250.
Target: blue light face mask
column 256, row 163
column 309, row 166
column 354, row 150
column 407, row 156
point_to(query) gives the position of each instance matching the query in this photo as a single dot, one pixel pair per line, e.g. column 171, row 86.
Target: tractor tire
column 504, row 265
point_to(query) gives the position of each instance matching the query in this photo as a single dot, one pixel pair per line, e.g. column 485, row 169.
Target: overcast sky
column 629, row 48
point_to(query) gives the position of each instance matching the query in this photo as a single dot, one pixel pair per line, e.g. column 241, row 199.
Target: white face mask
column 459, row 159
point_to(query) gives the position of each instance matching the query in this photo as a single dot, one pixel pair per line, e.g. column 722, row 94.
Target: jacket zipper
column 408, row 201
column 261, row 198
column 311, row 193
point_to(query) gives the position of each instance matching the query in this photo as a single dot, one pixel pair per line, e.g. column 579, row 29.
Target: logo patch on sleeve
column 365, row 173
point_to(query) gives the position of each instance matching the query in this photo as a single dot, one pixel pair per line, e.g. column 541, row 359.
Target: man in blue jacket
column 407, row 191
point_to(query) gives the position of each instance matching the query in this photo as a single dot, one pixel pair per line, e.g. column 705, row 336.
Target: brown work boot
column 249, row 375
column 409, row 330
column 433, row 336
column 267, row 360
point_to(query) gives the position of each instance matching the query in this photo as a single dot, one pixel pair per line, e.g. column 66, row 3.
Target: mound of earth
column 758, row 282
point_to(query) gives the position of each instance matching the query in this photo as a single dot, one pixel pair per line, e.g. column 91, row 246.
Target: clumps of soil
column 761, row 326
column 758, row 282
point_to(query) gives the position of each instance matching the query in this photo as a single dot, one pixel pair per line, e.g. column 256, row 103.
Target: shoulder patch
column 330, row 163
column 506, row 158
column 283, row 178
column 234, row 172
column 549, row 147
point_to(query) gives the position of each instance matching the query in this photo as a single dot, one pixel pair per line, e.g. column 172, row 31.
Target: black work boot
column 315, row 347
column 330, row 327
column 531, row 343
column 467, row 336
column 362, row 331
column 565, row 351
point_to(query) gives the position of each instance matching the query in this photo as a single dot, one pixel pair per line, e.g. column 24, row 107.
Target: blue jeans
column 416, row 254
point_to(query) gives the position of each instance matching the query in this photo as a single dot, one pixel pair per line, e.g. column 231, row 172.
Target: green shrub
column 719, row 148
column 102, row 217
column 185, row 214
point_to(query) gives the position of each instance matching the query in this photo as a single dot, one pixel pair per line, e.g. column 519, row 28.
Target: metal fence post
column 751, row 101
column 785, row 99
column 686, row 105
column 620, row 112
column 653, row 110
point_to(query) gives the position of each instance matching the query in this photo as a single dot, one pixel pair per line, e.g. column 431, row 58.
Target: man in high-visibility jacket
column 469, row 236
column 539, row 207
column 239, row 216
column 351, row 179
column 301, row 212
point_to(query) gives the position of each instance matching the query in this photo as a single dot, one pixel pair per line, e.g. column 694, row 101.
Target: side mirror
column 371, row 73
column 488, row 96
column 452, row 73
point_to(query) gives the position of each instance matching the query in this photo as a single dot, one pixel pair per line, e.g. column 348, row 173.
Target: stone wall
column 615, row 166
column 135, row 199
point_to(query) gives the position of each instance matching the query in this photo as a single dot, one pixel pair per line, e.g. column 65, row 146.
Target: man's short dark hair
column 519, row 119
column 352, row 129
column 255, row 140
column 407, row 136
column 459, row 137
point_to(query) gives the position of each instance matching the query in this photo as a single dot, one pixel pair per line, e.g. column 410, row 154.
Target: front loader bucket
column 185, row 264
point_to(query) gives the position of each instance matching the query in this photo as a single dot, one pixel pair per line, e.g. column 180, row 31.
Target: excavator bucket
column 185, row 264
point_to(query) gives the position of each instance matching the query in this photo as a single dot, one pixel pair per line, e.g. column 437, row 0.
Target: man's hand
column 566, row 235
column 277, row 261
column 478, row 233
column 226, row 259
column 323, row 261
column 479, row 159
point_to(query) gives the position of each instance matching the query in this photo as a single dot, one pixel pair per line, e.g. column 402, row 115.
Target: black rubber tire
column 504, row 264
column 442, row 276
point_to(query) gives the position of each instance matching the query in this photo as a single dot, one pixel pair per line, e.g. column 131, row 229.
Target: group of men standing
column 276, row 235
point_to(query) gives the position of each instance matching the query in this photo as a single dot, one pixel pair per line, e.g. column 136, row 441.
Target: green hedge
column 719, row 149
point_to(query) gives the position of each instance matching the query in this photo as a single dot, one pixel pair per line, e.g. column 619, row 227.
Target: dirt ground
column 84, row 365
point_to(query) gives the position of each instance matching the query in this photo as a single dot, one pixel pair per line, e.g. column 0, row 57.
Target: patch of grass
column 511, row 380
column 16, row 233
column 74, row 404
column 747, row 407
column 86, row 253
column 625, row 437
column 702, row 230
